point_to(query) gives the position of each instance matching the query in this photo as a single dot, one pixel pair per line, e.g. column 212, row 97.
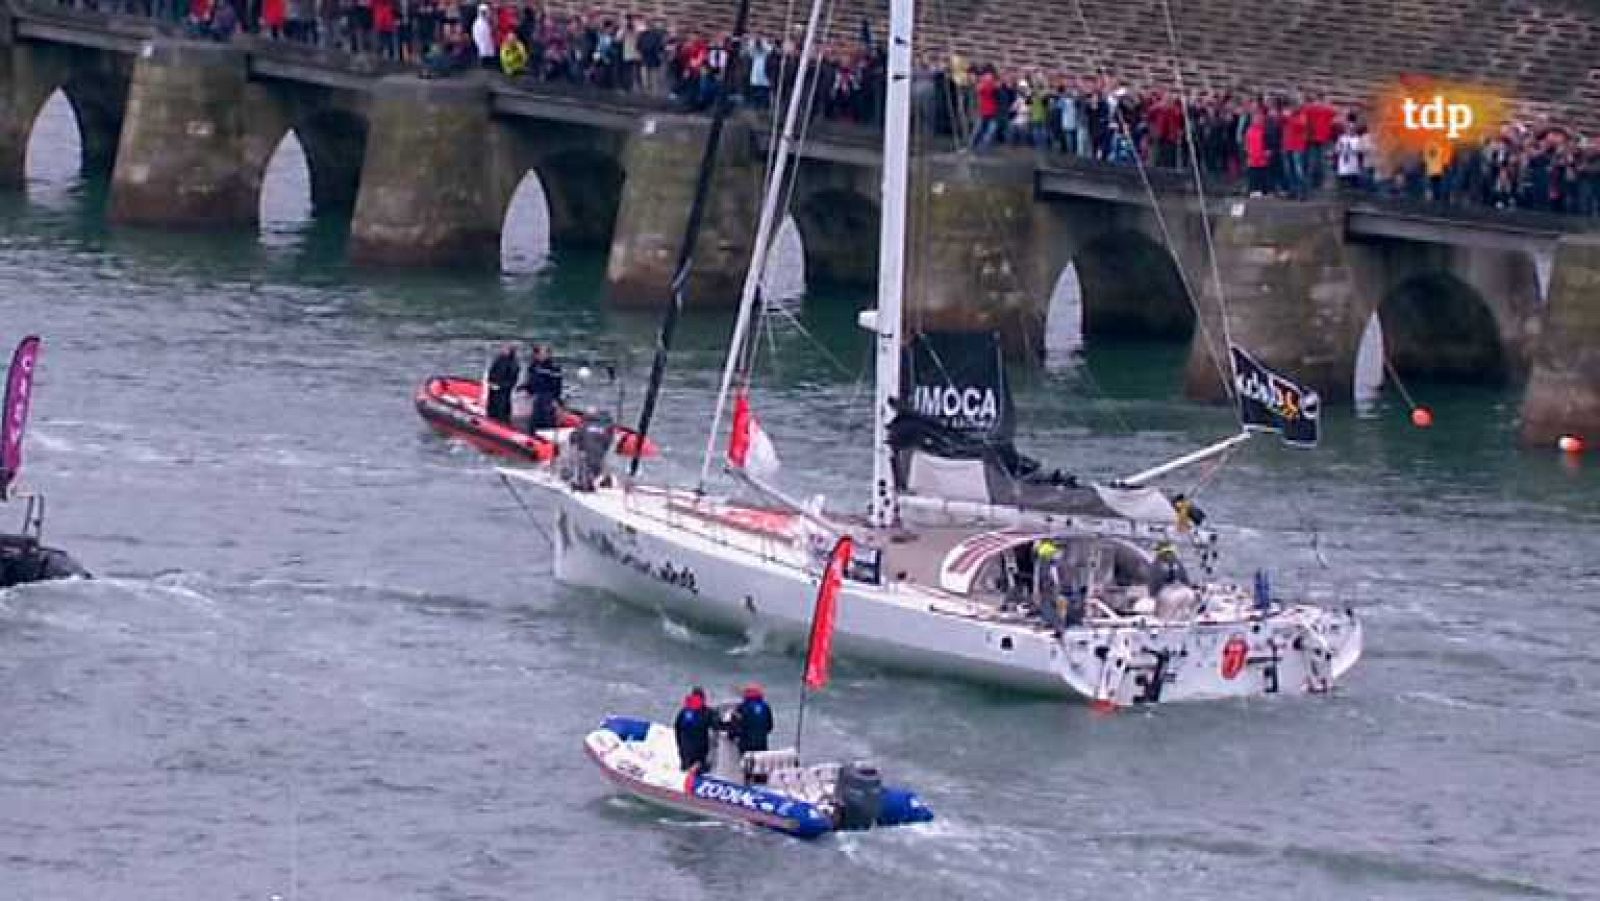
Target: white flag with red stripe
column 749, row 448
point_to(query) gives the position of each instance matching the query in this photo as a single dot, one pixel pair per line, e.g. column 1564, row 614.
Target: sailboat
column 951, row 586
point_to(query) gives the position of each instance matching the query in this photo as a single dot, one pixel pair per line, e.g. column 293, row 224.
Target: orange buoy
column 1421, row 417
column 1103, row 706
column 1570, row 444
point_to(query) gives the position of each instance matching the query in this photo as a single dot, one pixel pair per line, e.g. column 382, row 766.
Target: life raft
column 453, row 406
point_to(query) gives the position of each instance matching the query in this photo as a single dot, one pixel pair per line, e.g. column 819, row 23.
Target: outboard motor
column 24, row 559
column 860, row 792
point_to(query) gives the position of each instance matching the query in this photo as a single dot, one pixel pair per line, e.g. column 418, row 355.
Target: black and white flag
column 1269, row 402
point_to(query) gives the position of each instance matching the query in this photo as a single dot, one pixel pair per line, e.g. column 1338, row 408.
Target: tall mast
column 691, row 231
column 891, row 258
column 787, row 141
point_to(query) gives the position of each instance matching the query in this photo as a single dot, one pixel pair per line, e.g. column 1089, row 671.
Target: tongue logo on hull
column 1234, row 654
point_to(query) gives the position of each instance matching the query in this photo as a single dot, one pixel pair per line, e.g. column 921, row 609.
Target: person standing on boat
column 693, row 729
column 543, row 383
column 1047, row 581
column 501, row 381
column 752, row 724
column 591, row 442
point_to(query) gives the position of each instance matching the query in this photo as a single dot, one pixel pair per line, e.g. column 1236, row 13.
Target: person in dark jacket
column 544, row 384
column 693, row 729
column 752, row 720
column 502, row 380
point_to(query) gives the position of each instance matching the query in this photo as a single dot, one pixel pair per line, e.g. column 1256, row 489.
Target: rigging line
column 791, row 182
column 792, row 179
column 533, row 518
column 1097, row 53
column 1216, row 269
column 1200, row 190
column 959, row 145
column 691, row 233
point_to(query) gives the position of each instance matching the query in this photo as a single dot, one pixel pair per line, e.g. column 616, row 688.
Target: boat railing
column 683, row 516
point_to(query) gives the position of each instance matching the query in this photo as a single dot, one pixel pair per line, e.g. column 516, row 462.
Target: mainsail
column 19, row 395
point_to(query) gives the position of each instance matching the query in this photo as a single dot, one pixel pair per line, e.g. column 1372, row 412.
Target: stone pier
column 1290, row 298
column 1563, row 396
column 426, row 197
column 182, row 159
column 662, row 161
column 971, row 231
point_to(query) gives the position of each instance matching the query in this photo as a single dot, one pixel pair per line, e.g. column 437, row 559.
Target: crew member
column 591, row 442
column 693, row 729
column 752, row 723
column 1168, row 569
column 543, row 383
column 1047, row 581
column 1169, row 585
column 501, row 381
column 1188, row 513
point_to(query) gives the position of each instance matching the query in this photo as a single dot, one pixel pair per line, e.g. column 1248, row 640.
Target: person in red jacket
column 386, row 24
column 988, row 110
column 272, row 16
column 1296, row 138
column 1323, row 120
column 1257, row 158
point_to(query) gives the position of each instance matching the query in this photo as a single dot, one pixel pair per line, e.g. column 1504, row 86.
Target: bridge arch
column 838, row 229
column 525, row 226
column 1119, row 284
column 1438, row 327
column 333, row 143
column 1452, row 313
column 94, row 86
column 583, row 188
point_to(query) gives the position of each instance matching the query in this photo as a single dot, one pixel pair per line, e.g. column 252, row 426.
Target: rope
column 532, row 517
column 1097, row 56
column 1200, row 194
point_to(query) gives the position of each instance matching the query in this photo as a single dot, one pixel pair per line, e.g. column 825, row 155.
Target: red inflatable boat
column 454, row 407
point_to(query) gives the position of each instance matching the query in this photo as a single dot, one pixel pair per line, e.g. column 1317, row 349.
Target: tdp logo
column 1454, row 119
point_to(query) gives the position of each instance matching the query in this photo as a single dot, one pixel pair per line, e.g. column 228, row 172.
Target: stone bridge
column 426, row 169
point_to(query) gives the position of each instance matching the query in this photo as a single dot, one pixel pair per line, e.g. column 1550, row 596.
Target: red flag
column 739, row 441
column 827, row 609
column 749, row 448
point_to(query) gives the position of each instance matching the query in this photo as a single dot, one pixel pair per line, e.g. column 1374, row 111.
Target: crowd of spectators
column 1290, row 145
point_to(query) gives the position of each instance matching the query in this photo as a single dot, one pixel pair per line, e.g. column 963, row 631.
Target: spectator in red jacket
column 1323, row 120
column 988, row 110
column 386, row 24
column 272, row 16
column 1257, row 158
column 1296, row 139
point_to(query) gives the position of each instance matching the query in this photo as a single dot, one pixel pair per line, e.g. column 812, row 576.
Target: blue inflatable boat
column 770, row 789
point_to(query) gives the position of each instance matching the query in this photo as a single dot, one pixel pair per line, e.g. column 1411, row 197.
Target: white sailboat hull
column 638, row 548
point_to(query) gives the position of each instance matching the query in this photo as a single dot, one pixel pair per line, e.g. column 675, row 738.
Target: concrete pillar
column 661, row 161
column 425, row 197
column 971, row 238
column 182, row 160
column 1564, row 389
column 1290, row 298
